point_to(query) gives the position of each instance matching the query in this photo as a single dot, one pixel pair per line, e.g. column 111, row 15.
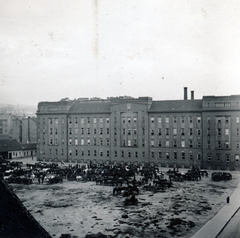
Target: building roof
column 28, row 146
column 90, row 107
column 9, row 145
column 5, row 136
column 15, row 218
column 176, row 105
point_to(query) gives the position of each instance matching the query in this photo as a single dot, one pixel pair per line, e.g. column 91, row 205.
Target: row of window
column 175, row 131
column 220, row 157
column 175, row 143
column 174, row 119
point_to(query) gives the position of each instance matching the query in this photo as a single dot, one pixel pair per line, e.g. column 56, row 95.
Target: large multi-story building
column 177, row 133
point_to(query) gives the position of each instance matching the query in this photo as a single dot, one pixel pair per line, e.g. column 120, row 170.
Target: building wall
column 29, row 130
column 141, row 131
column 17, row 129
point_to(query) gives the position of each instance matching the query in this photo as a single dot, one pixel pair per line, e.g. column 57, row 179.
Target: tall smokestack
column 185, row 93
column 192, row 95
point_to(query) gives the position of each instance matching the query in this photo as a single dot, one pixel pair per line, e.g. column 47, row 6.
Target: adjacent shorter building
column 176, row 133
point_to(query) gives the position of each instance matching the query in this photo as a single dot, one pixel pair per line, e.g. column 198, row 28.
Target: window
column 183, row 155
column 227, row 120
column 237, row 157
column 82, row 141
column 70, row 141
column 198, row 120
column 76, row 141
column 199, row 132
column 122, row 153
column 135, row 120
column 143, row 130
column 199, row 156
column 107, row 120
column 190, row 156
column 124, row 143
column 94, row 120
column 159, row 154
column 159, row 120
column 82, row 131
column 190, row 120
column 209, row 156
column 107, row 131
column 50, row 131
column 175, row 155
column 135, row 131
column 100, row 120
column 143, row 154
column 227, row 158
column 101, row 142
column 166, row 120
column 94, row 131
column 190, row 131
column 62, row 152
column 129, row 142
column 95, row 153
column 237, row 119
column 182, row 143
column 237, row 132
column 183, row 120
column 226, row 144
column 152, row 154
column 76, row 120
column 101, row 153
column 219, row 132
column 152, row 132
column 107, row 153
column 208, row 120
column 208, row 131
column 129, row 119
column 167, row 131
column 167, row 155
column 123, row 120
column 159, row 131
column 134, row 142
column 76, row 131
column 88, row 131
column 152, row 143
column 143, row 143
column 129, row 154
column 199, row 144
column 76, row 152
column 88, row 152
column 94, row 141
column 152, row 120
column 160, row 143
column 182, row 131
column 70, row 151
column 174, row 120
column 123, row 130
column 101, row 131
column 107, row 142
column 190, row 143
column 70, row 120
column 226, row 132
column 175, row 131
column 174, row 143
column 237, row 145
column 167, row 143
column 218, row 157
column 129, row 131
column 88, row 141
column 70, row 131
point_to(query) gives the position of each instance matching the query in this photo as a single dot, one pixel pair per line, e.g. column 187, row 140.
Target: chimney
column 185, row 93
column 192, row 95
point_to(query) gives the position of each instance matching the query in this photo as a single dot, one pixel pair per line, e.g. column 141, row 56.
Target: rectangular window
column 167, row 131
column 143, row 154
column 226, row 144
column 237, row 145
column 209, row 157
column 101, row 153
column 76, row 152
column 175, row 131
column 199, row 144
column 152, row 143
column 166, row 120
column 227, row 158
column 159, row 131
column 183, row 155
column 190, row 120
column 94, row 120
column 219, row 131
column 182, row 132
column 95, row 153
column 88, row 131
column 82, row 152
column 76, row 141
column 190, row 131
column 183, row 120
column 190, row 156
column 101, row 142
column 129, row 142
column 208, row 144
column 129, row 131
column 135, row 131
column 143, row 143
column 159, row 154
column 107, row 120
column 94, row 131
column 82, row 141
column 226, row 120
column 174, row 143
column 107, row 142
column 167, row 143
column 82, row 131
column 129, row 119
column 160, row 143
column 107, row 153
column 199, row 132
column 152, row 132
column 237, row 132
column 70, row 120
column 198, row 120
column 199, row 156
column 167, row 155
column 129, row 154
column 237, row 157
column 94, row 141
column 159, row 120
column 122, row 153
column 175, row 155
column 100, row 120
column 136, row 154
column 107, row 131
column 182, row 143
column 135, row 120
column 134, row 142
column 70, row 151
column 70, row 141
column 226, row 132
column 237, row 119
column 174, row 120
column 190, row 143
column 152, row 120
column 88, row 141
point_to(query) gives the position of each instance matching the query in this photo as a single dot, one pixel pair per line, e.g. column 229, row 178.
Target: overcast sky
column 102, row 48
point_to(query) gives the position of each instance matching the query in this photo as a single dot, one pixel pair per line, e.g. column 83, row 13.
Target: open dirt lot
column 82, row 209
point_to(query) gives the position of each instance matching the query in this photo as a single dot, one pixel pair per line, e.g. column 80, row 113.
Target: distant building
column 6, row 123
column 177, row 133
column 29, row 130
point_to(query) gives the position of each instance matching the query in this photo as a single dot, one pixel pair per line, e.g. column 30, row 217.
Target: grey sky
column 101, row 48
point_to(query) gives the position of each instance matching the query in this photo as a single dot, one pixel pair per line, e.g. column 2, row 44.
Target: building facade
column 177, row 133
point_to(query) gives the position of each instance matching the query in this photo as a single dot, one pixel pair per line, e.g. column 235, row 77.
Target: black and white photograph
column 119, row 119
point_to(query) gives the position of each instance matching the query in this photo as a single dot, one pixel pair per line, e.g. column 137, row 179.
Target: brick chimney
column 185, row 93
column 192, row 95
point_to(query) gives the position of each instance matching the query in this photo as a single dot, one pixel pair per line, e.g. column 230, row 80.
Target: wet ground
column 81, row 209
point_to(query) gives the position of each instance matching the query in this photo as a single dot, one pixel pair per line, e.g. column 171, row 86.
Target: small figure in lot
column 228, row 199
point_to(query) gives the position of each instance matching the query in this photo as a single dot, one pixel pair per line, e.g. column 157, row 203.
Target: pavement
column 215, row 226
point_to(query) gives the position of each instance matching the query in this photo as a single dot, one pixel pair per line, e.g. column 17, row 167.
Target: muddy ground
column 82, row 209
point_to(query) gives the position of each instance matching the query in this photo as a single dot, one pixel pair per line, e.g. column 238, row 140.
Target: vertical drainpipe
column 28, row 128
